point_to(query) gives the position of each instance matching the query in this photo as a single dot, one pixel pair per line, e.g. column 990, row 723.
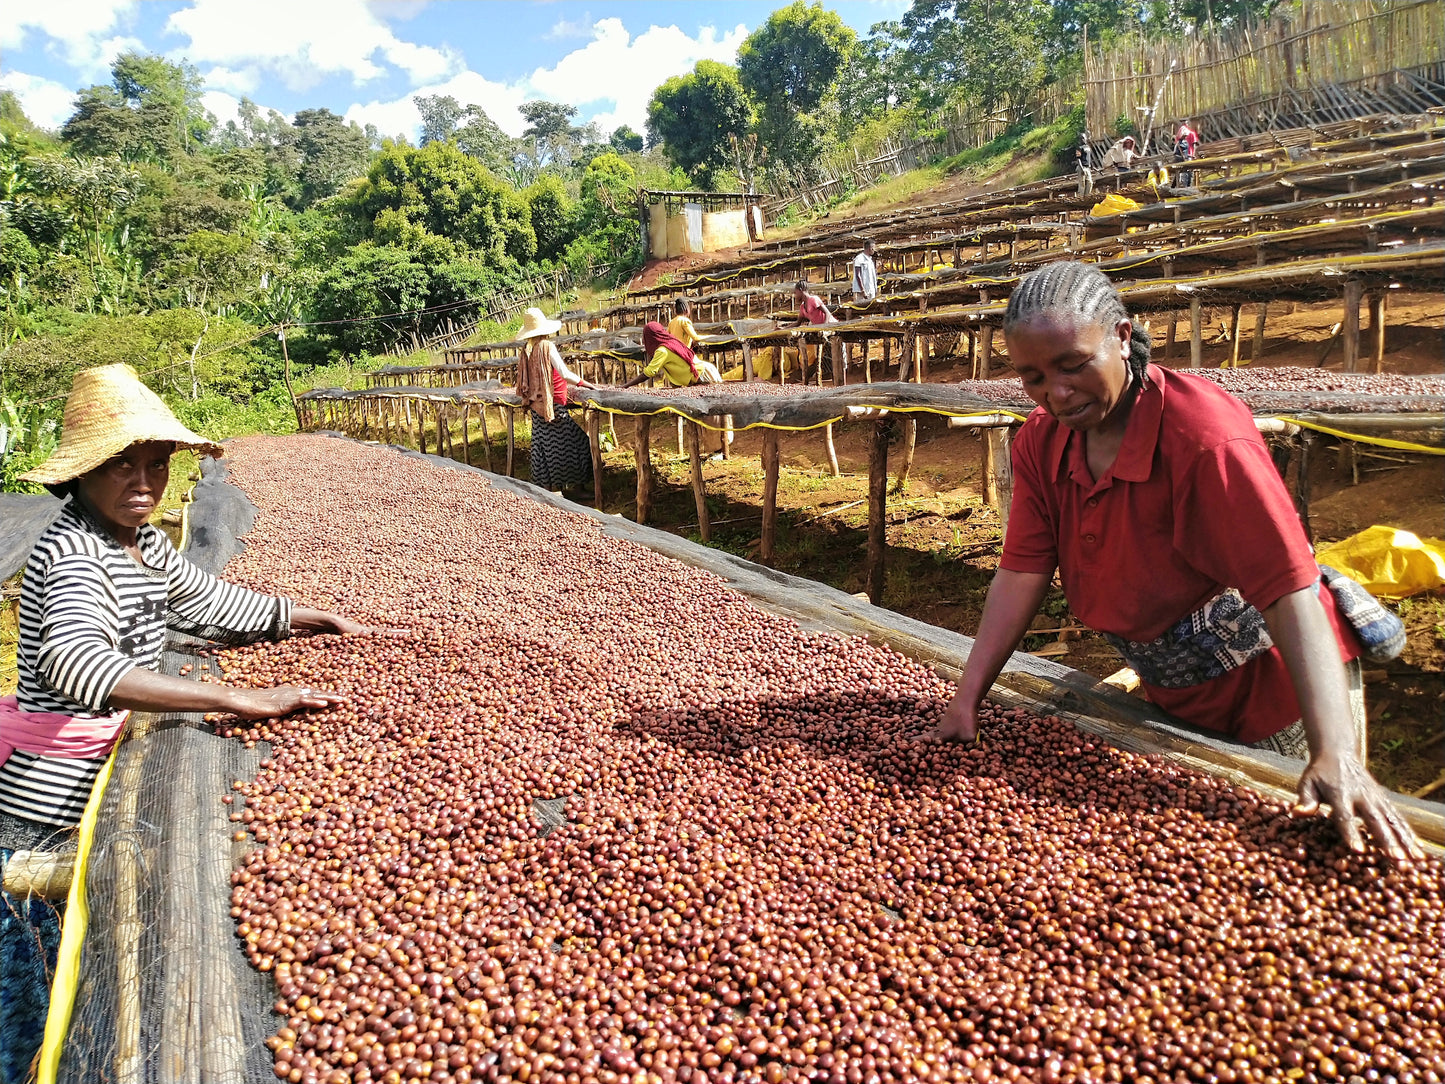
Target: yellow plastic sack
column 1114, row 204
column 1387, row 562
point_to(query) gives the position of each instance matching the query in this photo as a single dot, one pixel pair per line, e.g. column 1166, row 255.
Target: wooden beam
column 877, row 509
column 642, row 454
column 770, row 495
column 694, row 451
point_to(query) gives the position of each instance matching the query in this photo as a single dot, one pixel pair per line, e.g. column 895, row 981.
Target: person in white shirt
column 1121, row 155
column 865, row 274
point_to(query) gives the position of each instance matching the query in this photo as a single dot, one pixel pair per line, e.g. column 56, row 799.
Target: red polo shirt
column 1192, row 505
column 813, row 310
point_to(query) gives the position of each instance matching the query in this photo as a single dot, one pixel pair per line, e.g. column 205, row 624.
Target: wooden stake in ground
column 877, row 510
column 770, row 495
column 694, row 451
column 467, row 433
column 910, row 441
column 831, row 449
column 511, row 439
column 998, row 478
column 486, row 436
column 1196, row 332
column 642, row 453
column 1377, row 327
column 1261, row 314
column 1234, row 336
column 594, row 442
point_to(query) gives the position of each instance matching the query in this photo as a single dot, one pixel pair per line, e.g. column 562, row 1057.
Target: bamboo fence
column 1350, row 43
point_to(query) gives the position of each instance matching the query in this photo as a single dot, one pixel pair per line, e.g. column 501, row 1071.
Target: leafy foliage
column 694, row 117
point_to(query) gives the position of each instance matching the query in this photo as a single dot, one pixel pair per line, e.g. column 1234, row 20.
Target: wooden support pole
column 840, row 368
column 694, row 452
column 747, row 362
column 1350, row 329
column 998, row 479
column 1377, row 329
column 1196, row 332
column 511, row 439
column 887, row 349
column 770, row 495
column 877, row 510
column 1302, row 482
column 985, row 354
column 867, row 362
column 594, row 443
column 642, row 454
column 421, row 427
column 1234, row 336
column 831, row 449
column 1261, row 314
column 1169, row 338
column 726, row 436
column 907, row 354
column 910, row 442
column 681, row 443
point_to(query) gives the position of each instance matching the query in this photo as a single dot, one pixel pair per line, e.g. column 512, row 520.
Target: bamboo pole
column 770, row 495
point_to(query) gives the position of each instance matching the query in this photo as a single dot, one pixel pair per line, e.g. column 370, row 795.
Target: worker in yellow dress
column 665, row 356
column 680, row 326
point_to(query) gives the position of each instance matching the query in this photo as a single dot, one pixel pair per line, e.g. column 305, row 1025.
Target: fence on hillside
column 1317, row 63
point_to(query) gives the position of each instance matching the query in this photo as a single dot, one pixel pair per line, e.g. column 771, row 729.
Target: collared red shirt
column 1192, row 505
column 813, row 310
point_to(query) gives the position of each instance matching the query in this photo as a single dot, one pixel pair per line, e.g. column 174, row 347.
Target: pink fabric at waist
column 51, row 734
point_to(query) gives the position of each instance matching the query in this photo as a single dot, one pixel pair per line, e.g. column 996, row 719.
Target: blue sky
column 365, row 59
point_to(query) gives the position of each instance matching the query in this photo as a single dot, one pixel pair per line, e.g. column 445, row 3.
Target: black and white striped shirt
column 89, row 614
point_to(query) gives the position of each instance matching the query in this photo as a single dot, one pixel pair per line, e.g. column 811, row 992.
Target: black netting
column 23, row 519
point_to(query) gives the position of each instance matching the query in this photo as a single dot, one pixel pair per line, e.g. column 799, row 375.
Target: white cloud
column 244, row 81
column 567, row 28
column 622, row 71
column 401, row 117
column 304, row 42
column 78, row 31
column 46, row 102
column 223, row 106
column 614, row 73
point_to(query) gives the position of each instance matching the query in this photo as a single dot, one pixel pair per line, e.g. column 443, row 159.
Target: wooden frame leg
column 694, row 451
column 642, row 453
column 770, row 496
column 877, row 510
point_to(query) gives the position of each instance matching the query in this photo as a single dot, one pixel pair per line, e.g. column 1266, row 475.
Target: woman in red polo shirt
column 1153, row 495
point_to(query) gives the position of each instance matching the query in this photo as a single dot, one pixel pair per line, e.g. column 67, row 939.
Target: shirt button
column 1089, row 538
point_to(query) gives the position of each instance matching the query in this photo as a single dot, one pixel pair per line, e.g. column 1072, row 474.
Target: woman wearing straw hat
column 561, row 456
column 100, row 589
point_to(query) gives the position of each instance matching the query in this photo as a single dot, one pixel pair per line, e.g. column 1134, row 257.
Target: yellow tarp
column 1114, row 204
column 1387, row 562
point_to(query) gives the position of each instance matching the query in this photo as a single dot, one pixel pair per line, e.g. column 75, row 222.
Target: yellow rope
column 1383, row 442
column 72, row 937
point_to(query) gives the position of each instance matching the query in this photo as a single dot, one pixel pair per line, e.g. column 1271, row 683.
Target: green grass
column 1053, row 142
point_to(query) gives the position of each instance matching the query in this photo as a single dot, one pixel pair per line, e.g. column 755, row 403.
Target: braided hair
column 1083, row 291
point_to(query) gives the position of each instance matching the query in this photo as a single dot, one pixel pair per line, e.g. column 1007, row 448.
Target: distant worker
column 811, row 310
column 1121, row 155
column 665, row 355
column 865, row 274
column 561, row 456
column 1081, row 152
column 680, row 326
column 1186, row 146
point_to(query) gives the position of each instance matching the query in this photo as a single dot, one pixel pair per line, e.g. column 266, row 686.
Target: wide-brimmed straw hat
column 108, row 410
column 535, row 323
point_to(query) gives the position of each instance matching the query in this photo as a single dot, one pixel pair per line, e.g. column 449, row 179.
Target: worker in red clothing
column 1153, row 495
column 1186, row 146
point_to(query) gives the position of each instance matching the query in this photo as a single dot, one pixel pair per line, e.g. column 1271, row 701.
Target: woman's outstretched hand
column 1344, row 784
column 282, row 700
column 959, row 722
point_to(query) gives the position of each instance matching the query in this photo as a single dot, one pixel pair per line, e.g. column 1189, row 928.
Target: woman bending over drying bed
column 1153, row 495
column 561, row 456
column 100, row 590
column 669, row 357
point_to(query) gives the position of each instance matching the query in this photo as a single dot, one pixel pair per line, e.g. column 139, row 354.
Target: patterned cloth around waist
column 1226, row 632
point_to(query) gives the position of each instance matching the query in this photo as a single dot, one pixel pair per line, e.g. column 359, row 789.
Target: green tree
column 481, row 138
column 987, row 54
column 330, row 151
column 371, row 281
column 150, row 111
column 875, row 80
column 694, row 116
column 608, row 234
column 623, row 140
column 550, row 132
column 449, row 194
column 552, row 216
column 440, row 116
column 789, row 66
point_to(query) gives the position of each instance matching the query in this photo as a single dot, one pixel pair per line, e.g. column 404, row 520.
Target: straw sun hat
column 107, row 411
column 535, row 323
